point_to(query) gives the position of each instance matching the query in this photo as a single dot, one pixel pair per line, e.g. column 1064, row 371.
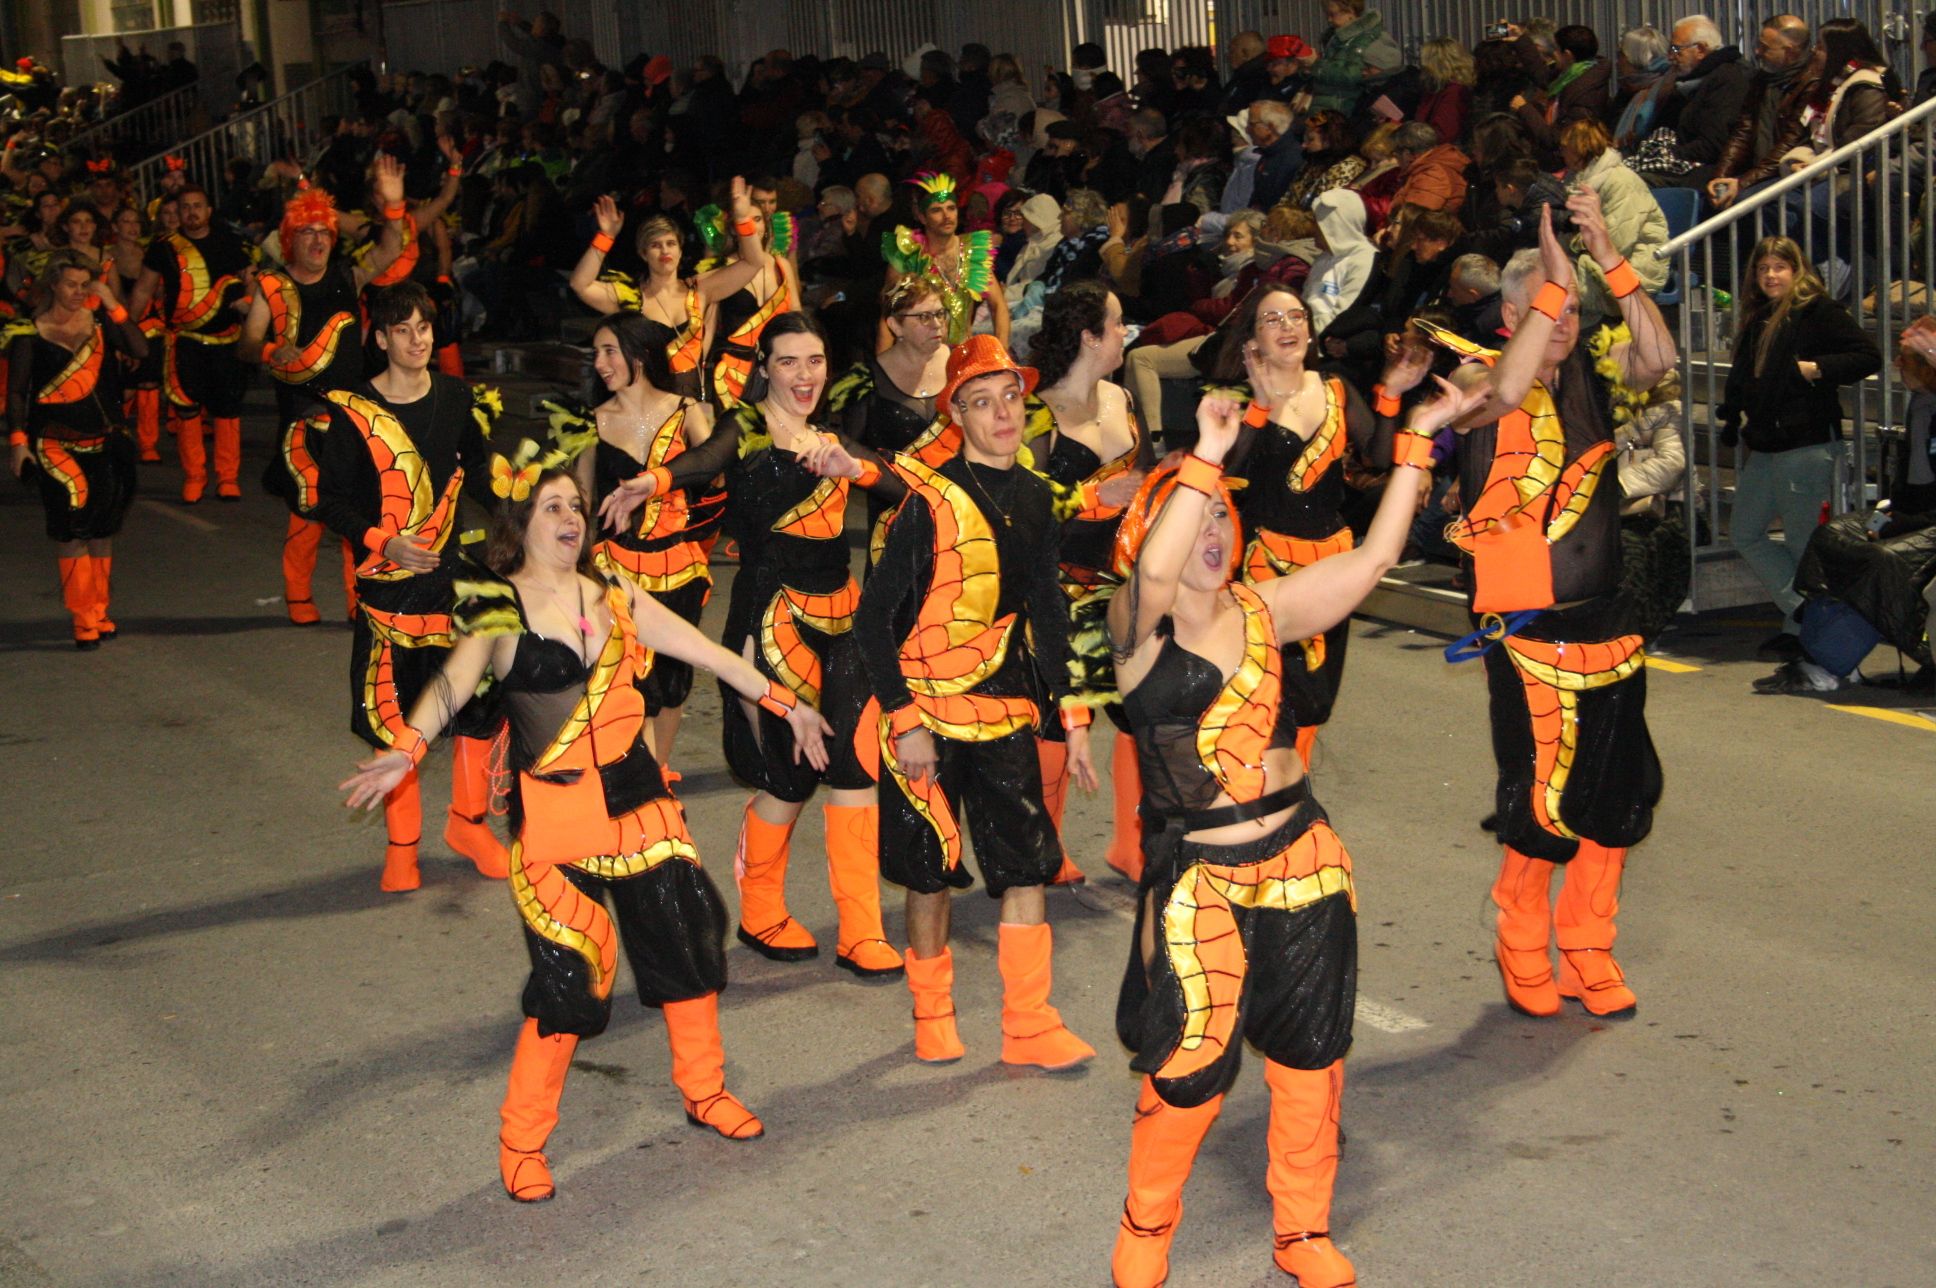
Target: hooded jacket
column 1344, row 55
column 1339, row 276
column 1435, row 180
column 1044, row 220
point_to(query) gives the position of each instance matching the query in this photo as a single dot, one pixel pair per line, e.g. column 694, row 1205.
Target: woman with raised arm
column 594, row 821
column 748, row 292
column 1247, row 929
column 792, row 616
column 682, row 304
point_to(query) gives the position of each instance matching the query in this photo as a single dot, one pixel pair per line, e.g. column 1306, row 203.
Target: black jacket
column 1705, row 113
column 1778, row 410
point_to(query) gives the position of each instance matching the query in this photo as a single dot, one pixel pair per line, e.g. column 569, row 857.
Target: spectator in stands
column 1250, row 77
column 1289, row 68
column 1711, row 84
column 1796, row 349
column 1009, row 88
column 1354, row 55
column 1039, row 235
column 535, row 45
column 1926, row 79
column 1380, row 178
column 1472, row 293
column 1787, row 79
column 177, row 72
column 1202, row 152
column 1279, row 154
column 1331, row 159
column 1155, row 153
column 1499, row 77
column 1197, row 86
column 1431, row 172
column 1579, row 89
column 1345, row 261
column 1446, row 74
column 974, row 88
column 1634, row 219
column 1520, row 186
column 1643, row 85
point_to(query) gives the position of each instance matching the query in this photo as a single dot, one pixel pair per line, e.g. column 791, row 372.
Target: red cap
column 658, row 70
column 1288, row 47
column 977, row 356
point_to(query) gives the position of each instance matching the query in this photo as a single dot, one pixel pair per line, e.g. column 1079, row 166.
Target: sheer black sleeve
column 888, row 487
column 891, row 599
column 700, row 465
column 1370, row 434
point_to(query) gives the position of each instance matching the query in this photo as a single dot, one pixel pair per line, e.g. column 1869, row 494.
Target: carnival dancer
column 792, row 614
column 305, row 326
column 744, row 304
column 142, row 384
column 644, row 423
column 885, row 402
column 423, row 252
column 63, row 414
column 594, row 820
column 963, row 266
column 1247, row 925
column 390, row 466
column 963, row 626
column 1578, row 777
column 1084, row 436
column 204, row 277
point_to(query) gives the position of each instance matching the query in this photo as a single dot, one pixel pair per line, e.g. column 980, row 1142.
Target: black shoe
column 87, row 646
column 1789, row 680
column 1782, row 646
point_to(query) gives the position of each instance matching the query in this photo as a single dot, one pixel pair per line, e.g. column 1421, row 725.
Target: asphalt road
column 227, row 1059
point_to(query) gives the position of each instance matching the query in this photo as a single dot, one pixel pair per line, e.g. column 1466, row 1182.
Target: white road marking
column 179, row 515
column 1388, row 1019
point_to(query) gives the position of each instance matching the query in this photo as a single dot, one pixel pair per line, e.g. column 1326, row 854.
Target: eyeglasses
column 1692, row 44
column 1283, row 319
column 929, row 317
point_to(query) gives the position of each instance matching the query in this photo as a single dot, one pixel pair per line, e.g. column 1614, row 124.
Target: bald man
column 1785, row 82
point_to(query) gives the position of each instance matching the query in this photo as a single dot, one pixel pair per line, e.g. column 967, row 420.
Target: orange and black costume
column 64, row 406
column 1566, row 679
column 738, row 321
column 141, row 386
column 600, row 854
column 686, row 350
column 387, row 470
column 201, row 280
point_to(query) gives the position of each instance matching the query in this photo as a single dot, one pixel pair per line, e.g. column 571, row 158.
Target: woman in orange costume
column 1247, row 929
column 64, row 416
column 143, row 399
column 792, row 615
column 593, row 817
column 684, row 304
column 750, row 291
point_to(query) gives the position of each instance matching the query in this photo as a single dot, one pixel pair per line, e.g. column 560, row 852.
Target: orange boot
column 760, row 869
column 853, row 871
column 1032, row 1030
column 1520, row 944
column 228, row 458
column 1163, row 1143
column 300, row 541
column 1583, row 922
column 1054, row 760
column 530, row 1112
column 465, row 830
column 1303, row 1145
column 932, row 981
column 103, row 580
column 147, row 423
column 402, row 817
column 1126, row 789
column 194, row 456
column 699, row 1070
column 77, row 593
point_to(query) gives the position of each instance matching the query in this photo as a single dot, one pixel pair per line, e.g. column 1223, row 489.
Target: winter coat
column 1586, row 97
column 1776, row 410
column 1341, row 271
column 1746, row 157
column 1446, row 109
column 1652, row 458
column 1858, row 104
column 1634, row 221
column 1344, row 55
column 1435, row 180
column 1708, row 104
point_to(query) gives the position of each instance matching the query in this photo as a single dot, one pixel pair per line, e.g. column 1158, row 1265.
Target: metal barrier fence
column 288, row 126
column 149, row 126
column 214, row 47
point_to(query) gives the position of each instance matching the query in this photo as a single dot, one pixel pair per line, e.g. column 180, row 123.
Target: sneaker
column 1782, row 646
column 1800, row 677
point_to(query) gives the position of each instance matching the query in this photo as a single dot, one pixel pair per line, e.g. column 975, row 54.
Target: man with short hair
column 1711, row 85
column 1472, row 291
column 962, row 627
column 1149, row 143
column 1773, row 115
column 1578, row 89
column 1280, row 152
column 1250, row 77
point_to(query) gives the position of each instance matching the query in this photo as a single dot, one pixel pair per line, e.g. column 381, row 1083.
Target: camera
column 1499, row 30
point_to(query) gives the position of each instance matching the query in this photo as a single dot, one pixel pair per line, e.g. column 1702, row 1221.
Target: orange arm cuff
column 1382, row 403
column 1622, row 279
column 778, row 699
column 1199, row 475
column 1257, row 415
column 1549, row 300
column 18, row 438
column 1076, row 716
column 1411, row 449
column 662, row 480
column 375, row 539
column 394, row 211
column 603, row 243
column 413, row 744
column 747, row 227
column 904, row 720
column 869, row 475
column 117, row 315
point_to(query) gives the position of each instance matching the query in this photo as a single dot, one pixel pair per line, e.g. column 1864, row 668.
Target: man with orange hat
column 961, row 616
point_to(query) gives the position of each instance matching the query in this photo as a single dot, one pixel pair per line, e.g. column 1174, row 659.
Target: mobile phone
column 1499, row 30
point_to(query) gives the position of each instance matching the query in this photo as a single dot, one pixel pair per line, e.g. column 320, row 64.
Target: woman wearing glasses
column 1292, row 451
column 886, row 400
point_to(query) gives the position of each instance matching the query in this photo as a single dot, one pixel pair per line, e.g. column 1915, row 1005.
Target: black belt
column 1198, row 820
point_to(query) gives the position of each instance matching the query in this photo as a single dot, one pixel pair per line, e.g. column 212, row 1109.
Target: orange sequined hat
column 1140, row 515
column 977, row 356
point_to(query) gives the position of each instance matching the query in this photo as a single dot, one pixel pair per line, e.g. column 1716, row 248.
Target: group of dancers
column 1031, row 562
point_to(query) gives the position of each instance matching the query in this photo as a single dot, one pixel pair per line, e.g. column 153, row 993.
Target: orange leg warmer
column 1303, row 1146
column 1032, row 1030
column 853, row 871
column 1125, row 789
column 531, row 1110
column 699, row 1070
column 193, row 454
column 147, row 423
column 103, row 579
column 466, row 830
column 403, row 818
column 1163, row 1144
column 1583, row 923
column 1522, row 892
column 1054, row 759
column 228, row 457
column 765, row 926
column 932, row 981
column 77, row 593
column 300, row 541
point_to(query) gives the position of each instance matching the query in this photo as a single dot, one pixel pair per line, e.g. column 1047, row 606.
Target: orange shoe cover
column 1053, row 757
column 77, row 593
column 1583, row 923
column 932, row 981
column 1032, row 1030
column 193, row 454
column 147, row 423
column 699, row 1070
column 1303, row 1147
column 760, row 869
column 228, row 457
column 465, row 830
column 403, row 817
column 1521, row 893
column 1163, row 1143
column 1307, row 741
column 853, row 871
column 103, row 580
column 530, row 1111
column 1126, row 790
column 300, row 541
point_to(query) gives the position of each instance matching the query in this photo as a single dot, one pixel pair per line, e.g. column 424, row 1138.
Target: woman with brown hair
column 680, row 303
column 885, row 402
column 1331, row 159
column 593, row 818
column 1796, row 349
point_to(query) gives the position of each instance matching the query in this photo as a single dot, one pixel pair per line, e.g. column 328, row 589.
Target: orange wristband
column 117, row 314
column 603, row 243
column 1622, row 280
column 778, row 699
column 268, row 350
column 747, row 227
column 394, row 211
column 455, row 172
column 1411, row 449
column 1383, row 403
column 1076, row 716
column 1257, row 415
column 870, row 473
column 1199, row 475
column 412, row 743
column 375, row 539
column 662, row 479
column 904, row 720
column 1550, row 299
column 18, row 438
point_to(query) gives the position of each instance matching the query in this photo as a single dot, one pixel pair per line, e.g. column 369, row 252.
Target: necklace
column 583, row 622
column 991, row 508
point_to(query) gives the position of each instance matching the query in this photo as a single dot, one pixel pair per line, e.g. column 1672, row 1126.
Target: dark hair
column 1581, row 42
column 57, row 263
column 1241, row 329
column 194, row 189
column 80, row 206
column 1068, row 314
column 1499, row 138
column 1201, row 136
column 644, row 344
column 798, row 322
column 1518, row 172
column 1088, row 56
column 504, row 546
column 395, row 305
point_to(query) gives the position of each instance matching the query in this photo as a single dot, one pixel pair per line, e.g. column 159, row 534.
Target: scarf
column 1571, row 74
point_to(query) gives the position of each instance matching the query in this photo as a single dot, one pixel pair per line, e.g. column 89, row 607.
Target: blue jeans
column 1792, row 484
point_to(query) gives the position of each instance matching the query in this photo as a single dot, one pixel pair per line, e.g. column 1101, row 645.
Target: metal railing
column 288, row 126
column 1862, row 213
column 150, row 126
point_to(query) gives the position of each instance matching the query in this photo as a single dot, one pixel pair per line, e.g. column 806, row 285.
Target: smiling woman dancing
column 594, row 820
